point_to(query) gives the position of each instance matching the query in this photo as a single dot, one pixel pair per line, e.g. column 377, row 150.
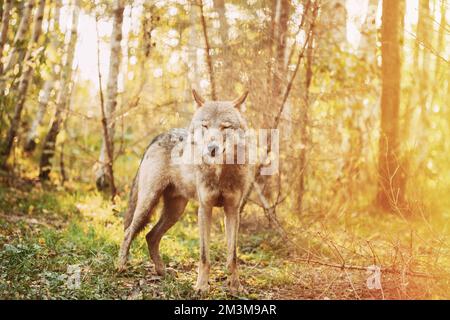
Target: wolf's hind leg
column 172, row 211
column 145, row 204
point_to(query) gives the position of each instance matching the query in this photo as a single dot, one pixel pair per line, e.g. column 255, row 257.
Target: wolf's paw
column 235, row 287
column 160, row 269
column 201, row 289
column 121, row 268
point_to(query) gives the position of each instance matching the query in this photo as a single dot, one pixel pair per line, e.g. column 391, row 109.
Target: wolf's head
column 217, row 120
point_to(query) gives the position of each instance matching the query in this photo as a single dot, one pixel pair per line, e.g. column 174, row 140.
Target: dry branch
column 361, row 268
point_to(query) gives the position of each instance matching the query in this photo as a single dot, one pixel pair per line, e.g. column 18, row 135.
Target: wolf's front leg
column 231, row 229
column 204, row 225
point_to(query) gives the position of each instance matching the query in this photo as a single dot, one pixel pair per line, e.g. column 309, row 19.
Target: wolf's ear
column 198, row 99
column 237, row 103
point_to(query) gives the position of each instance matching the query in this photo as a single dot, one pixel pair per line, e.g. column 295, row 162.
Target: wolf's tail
column 131, row 202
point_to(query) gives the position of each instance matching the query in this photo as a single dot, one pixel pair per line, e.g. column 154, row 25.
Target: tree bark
column 23, row 83
column 103, row 181
column 334, row 23
column 279, row 78
column 390, row 185
column 208, row 53
column 6, row 14
column 425, row 37
column 304, row 134
column 18, row 47
column 44, row 97
column 226, row 74
column 368, row 43
column 49, row 143
column 438, row 70
column 193, row 72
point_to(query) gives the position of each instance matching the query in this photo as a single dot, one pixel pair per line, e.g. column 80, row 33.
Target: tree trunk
column 4, row 27
column 44, row 97
column 193, row 72
column 6, row 14
column 208, row 53
column 368, row 43
column 18, row 47
column 439, row 72
column 102, row 178
column 390, row 185
column 219, row 6
column 49, row 143
column 279, row 77
column 23, row 83
column 304, row 135
column 227, row 79
column 425, row 37
column 334, row 24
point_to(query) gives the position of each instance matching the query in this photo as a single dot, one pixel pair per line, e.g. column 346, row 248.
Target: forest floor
column 47, row 236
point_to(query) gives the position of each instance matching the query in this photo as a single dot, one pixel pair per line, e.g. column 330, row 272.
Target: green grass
column 43, row 232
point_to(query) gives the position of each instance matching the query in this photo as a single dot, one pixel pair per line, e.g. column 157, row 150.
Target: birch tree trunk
column 279, row 78
column 111, row 97
column 368, row 43
column 333, row 24
column 212, row 79
column 193, row 72
column 390, row 185
column 425, row 37
column 7, row 5
column 49, row 144
column 227, row 80
column 440, row 72
column 24, row 83
column 418, row 94
column 18, row 47
column 4, row 27
column 44, row 96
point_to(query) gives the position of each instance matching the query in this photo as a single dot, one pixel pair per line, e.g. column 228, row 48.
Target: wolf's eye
column 226, row 125
column 205, row 125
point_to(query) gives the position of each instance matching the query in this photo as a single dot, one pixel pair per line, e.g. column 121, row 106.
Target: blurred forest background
column 359, row 91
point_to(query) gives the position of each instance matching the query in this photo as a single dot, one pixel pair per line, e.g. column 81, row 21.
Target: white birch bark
column 18, row 48
column 7, row 5
column 226, row 73
column 367, row 46
column 193, row 45
column 111, row 93
column 333, row 23
column 44, row 95
column 24, row 82
column 61, row 99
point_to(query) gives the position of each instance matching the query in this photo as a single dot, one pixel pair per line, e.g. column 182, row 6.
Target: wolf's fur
column 212, row 185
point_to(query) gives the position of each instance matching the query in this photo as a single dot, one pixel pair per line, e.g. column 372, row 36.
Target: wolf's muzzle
column 213, row 149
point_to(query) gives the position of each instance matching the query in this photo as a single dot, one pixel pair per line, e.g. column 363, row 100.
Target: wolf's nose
column 213, row 149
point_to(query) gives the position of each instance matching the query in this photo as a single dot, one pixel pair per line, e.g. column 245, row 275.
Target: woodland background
column 358, row 89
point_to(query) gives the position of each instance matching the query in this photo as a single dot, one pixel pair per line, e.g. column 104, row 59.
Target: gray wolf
column 211, row 183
